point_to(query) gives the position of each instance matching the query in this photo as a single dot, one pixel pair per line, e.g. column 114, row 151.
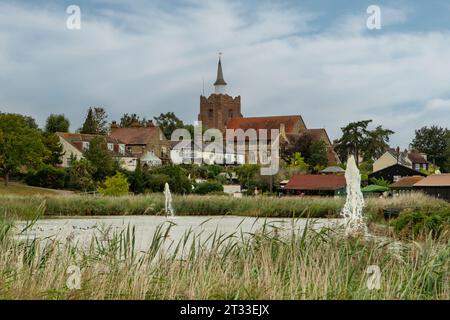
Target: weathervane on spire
column 220, row 84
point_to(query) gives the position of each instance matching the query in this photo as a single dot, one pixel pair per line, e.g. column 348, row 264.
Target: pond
column 81, row 230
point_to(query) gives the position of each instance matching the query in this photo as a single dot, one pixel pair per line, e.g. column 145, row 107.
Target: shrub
column 208, row 187
column 115, row 186
column 413, row 223
column 47, row 177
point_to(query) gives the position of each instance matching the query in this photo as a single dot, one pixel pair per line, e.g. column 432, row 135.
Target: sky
column 316, row 58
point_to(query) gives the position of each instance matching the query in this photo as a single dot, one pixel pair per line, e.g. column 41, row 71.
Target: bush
column 46, row 177
column 115, row 186
column 208, row 187
column 412, row 223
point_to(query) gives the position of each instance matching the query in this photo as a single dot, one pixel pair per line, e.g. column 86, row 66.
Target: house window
column 417, row 166
column 230, row 113
column 122, row 149
column 211, row 113
column 163, row 152
column 110, row 146
column 396, row 178
column 85, row 145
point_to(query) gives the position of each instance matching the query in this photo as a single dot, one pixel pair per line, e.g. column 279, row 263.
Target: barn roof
column 406, row 182
column 316, row 182
column 435, row 180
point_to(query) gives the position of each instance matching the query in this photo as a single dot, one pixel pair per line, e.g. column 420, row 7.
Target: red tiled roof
column 435, row 180
column 416, row 157
column 406, row 182
column 316, row 182
column 139, row 136
column 84, row 137
column 265, row 123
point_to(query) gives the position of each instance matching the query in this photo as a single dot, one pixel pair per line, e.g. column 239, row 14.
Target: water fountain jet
column 353, row 208
column 168, row 201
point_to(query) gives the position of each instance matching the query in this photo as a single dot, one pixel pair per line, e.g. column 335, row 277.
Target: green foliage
column 357, row 138
column 246, row 175
column 380, row 182
column 115, row 186
column 297, row 161
column 178, row 179
column 136, row 179
column 366, row 167
column 168, row 122
column 100, row 158
column 435, row 142
column 208, row 187
column 57, row 123
column 20, row 144
column 95, row 122
column 53, row 149
column 46, row 176
column 413, row 222
column 317, row 158
column 79, row 176
column 128, row 120
column 155, row 182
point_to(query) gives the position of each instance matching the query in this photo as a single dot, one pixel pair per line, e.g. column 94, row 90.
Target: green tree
column 100, row 158
column 20, row 144
column 79, row 175
column 168, row 122
column 318, row 157
column 95, row 122
column 127, row 120
column 115, row 186
column 297, row 161
column 353, row 138
column 57, row 123
column 435, row 142
column 357, row 139
column 137, row 183
column 246, row 175
column 299, row 143
column 53, row 149
column 376, row 143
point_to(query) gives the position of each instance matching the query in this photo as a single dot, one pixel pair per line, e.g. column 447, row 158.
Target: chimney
column 114, row 125
column 135, row 124
column 397, row 152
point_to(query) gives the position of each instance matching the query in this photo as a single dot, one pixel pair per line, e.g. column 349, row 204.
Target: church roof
column 220, row 80
column 268, row 123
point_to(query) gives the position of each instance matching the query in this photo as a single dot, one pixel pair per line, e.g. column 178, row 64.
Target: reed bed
column 153, row 204
column 263, row 265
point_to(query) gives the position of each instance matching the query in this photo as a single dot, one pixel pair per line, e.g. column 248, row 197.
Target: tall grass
column 264, row 265
column 153, row 204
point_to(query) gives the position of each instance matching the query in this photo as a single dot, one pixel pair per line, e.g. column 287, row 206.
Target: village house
column 395, row 172
column 412, row 159
column 143, row 142
column 75, row 144
column 222, row 111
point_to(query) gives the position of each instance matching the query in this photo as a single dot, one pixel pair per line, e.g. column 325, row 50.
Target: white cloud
column 152, row 60
column 438, row 104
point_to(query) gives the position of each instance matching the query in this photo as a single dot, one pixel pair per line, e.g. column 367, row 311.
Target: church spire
column 220, row 83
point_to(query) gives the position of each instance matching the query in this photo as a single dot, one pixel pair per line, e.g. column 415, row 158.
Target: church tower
column 219, row 107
